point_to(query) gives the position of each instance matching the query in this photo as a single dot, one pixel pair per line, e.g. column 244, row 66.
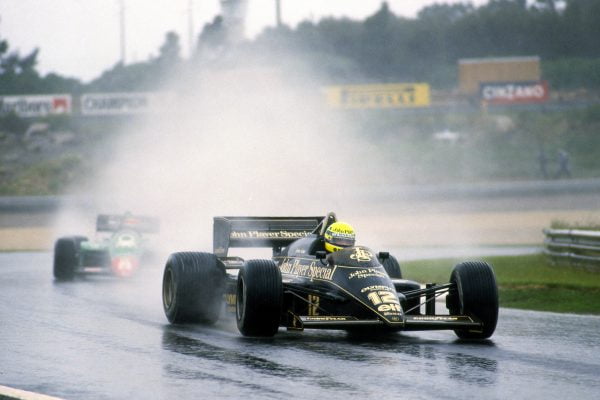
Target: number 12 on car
column 384, row 300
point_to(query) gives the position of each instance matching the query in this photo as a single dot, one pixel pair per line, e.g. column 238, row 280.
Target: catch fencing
column 574, row 246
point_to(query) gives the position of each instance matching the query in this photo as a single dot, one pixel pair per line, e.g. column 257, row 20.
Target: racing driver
column 338, row 236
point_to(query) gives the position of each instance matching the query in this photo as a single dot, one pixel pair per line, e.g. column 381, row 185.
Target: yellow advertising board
column 391, row 95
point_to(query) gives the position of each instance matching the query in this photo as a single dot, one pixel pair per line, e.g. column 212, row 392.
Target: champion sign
column 36, row 106
column 514, row 92
column 122, row 103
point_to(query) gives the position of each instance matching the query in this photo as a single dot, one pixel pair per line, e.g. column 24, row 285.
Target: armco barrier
column 573, row 246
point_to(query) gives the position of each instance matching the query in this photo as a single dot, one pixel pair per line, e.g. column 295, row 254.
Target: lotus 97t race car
column 117, row 250
column 302, row 286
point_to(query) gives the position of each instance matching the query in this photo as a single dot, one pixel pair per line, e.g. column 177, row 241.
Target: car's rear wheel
column 65, row 257
column 392, row 267
column 193, row 287
column 476, row 295
column 259, row 298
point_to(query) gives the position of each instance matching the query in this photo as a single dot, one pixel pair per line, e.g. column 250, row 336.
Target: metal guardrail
column 573, row 245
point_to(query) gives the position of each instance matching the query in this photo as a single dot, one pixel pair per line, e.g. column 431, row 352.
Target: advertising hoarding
column 514, row 92
column 124, row 103
column 392, row 95
column 474, row 71
column 28, row 106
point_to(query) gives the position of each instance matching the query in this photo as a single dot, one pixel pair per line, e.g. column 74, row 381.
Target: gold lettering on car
column 282, row 234
column 375, row 287
column 386, row 301
column 313, row 304
column 327, row 318
column 435, row 318
column 312, row 270
column 230, row 299
column 366, row 273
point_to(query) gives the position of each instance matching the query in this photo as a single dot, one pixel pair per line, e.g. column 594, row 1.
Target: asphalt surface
column 105, row 338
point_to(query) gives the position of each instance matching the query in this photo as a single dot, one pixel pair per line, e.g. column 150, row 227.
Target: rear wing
column 113, row 223
column 260, row 231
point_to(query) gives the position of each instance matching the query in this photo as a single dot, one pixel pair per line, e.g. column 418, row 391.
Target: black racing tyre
column 476, row 294
column 66, row 257
column 193, row 287
column 392, row 267
column 259, row 298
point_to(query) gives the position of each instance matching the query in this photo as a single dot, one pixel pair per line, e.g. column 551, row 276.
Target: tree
column 170, row 50
column 382, row 43
column 17, row 74
column 145, row 75
column 212, row 39
column 581, row 27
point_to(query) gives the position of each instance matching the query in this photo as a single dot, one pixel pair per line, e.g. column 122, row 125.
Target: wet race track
column 103, row 338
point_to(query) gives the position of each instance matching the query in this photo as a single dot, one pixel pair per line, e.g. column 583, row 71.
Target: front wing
column 410, row 322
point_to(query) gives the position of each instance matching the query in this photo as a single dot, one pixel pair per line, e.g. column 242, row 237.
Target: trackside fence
column 573, row 246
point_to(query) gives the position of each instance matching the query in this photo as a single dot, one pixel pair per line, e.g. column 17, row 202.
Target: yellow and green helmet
column 339, row 235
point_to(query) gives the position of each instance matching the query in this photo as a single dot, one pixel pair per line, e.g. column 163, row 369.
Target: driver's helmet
column 126, row 240
column 339, row 235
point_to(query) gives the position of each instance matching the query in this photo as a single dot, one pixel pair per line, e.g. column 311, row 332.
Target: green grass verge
column 591, row 224
column 527, row 282
column 46, row 177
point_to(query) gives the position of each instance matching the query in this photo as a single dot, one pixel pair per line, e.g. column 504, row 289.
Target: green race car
column 117, row 250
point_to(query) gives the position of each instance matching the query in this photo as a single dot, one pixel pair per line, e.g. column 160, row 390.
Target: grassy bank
column 493, row 145
column 526, row 282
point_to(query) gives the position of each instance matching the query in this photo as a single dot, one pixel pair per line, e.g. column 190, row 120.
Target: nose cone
column 359, row 272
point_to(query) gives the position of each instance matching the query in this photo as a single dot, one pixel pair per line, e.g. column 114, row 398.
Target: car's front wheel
column 475, row 294
column 259, row 298
column 392, row 267
column 193, row 287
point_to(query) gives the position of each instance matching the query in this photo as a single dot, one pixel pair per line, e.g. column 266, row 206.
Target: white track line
column 17, row 394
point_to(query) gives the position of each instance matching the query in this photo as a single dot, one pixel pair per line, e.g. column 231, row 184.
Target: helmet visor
column 342, row 240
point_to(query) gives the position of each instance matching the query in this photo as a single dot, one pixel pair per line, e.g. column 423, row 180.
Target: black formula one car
column 118, row 249
column 304, row 287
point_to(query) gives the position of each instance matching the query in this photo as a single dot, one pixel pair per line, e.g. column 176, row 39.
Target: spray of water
column 239, row 141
